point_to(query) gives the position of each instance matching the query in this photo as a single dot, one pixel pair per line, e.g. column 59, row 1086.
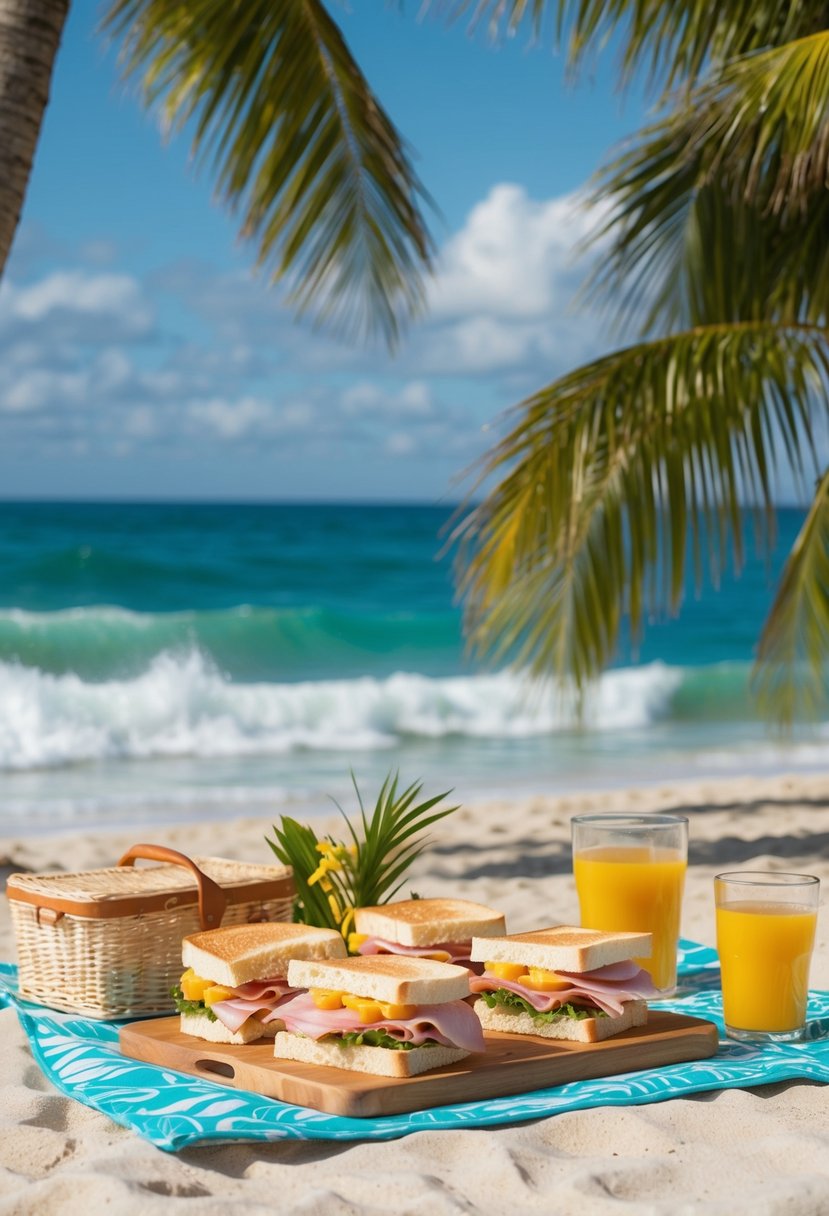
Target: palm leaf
column 296, row 845
column 370, row 870
column 609, row 474
column 720, row 210
column 298, row 144
column 671, row 41
column 790, row 675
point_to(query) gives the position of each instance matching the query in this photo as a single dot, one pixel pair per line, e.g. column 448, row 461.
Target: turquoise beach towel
column 173, row 1111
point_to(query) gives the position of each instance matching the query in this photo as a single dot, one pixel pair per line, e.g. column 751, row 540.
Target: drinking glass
column 630, row 875
column 765, row 936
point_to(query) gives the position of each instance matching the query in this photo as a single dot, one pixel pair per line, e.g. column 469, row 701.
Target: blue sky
column 141, row 357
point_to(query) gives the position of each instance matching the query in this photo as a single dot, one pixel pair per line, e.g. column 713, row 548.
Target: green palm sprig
column 616, row 478
column 333, row 877
column 297, row 142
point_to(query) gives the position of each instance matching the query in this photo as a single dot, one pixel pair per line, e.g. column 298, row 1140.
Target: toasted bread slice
column 238, row 954
column 203, row 1027
column 577, row 1030
column 386, row 977
column 425, row 922
column 380, row 1061
column 562, row 948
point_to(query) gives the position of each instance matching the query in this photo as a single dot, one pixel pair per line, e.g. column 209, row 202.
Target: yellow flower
column 322, row 869
column 346, row 922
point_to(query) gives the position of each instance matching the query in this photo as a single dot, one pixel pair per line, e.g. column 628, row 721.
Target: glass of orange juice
column 765, row 936
column 630, row 875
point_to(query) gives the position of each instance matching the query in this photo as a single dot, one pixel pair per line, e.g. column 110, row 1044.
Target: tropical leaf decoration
column 673, row 41
column 333, row 877
column 720, row 210
column 614, row 481
column 611, row 474
column 787, row 676
column 298, row 143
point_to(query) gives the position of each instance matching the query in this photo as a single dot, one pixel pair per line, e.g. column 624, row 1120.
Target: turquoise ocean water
column 162, row 662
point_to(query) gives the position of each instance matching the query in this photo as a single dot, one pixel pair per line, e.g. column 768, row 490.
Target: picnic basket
column 107, row 943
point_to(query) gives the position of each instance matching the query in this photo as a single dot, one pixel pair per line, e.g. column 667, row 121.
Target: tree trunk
column 30, row 32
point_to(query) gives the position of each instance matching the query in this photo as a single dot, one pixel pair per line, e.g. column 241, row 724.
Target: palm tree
column 294, row 135
column 612, row 479
column 716, row 246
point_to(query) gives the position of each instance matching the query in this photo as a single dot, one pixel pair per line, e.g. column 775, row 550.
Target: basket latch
column 47, row 916
column 212, row 899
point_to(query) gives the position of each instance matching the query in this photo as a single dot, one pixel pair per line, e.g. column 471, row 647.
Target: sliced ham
column 261, row 990
column 249, row 999
column 606, row 988
column 450, row 952
column 451, row 1023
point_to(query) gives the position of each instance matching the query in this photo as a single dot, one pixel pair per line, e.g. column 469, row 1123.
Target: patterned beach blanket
column 81, row 1058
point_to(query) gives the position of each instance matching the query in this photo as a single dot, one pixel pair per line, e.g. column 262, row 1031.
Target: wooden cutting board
column 512, row 1064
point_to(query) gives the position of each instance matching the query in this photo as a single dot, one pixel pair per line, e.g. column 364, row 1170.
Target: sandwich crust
column 425, row 922
column 396, row 978
column 238, row 954
column 562, row 948
column 577, row 1030
column 380, row 1061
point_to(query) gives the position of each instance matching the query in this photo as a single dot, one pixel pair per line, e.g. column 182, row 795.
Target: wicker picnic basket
column 107, row 943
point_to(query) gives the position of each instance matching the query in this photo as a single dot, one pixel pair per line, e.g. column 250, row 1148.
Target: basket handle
column 212, row 899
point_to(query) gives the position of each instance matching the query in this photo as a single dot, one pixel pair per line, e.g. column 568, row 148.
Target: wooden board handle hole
column 219, row 1067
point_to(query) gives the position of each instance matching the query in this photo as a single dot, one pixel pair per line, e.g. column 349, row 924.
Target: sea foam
column 182, row 705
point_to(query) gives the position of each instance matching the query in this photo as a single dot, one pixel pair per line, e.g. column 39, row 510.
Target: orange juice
column 765, row 950
column 635, row 889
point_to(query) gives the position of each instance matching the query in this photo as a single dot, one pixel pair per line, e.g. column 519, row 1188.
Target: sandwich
column 563, row 983
column 385, row 1014
column 438, row 929
column 235, row 980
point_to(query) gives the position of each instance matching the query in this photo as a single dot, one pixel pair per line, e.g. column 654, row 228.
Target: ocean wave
column 103, row 643
column 182, row 705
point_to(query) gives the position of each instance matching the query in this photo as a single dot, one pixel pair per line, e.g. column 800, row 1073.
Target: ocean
column 189, row 662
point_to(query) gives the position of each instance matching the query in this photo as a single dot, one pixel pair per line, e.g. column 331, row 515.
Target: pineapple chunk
column 326, row 998
column 541, row 980
column 506, row 971
column 193, row 987
column 367, row 1009
column 370, row 1010
column 395, row 1012
column 217, row 993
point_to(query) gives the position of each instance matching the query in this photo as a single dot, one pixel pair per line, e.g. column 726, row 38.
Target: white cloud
column 503, row 296
column 514, row 257
column 231, row 419
column 77, row 292
column 412, row 399
column 400, row 444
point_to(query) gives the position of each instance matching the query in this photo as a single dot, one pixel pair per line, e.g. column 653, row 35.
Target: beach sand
column 762, row 1151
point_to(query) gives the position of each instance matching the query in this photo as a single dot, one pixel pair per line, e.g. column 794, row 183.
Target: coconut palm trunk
column 30, row 32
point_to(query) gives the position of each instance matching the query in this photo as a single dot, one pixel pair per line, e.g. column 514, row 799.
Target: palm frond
column 295, row 845
column 790, row 675
column 611, row 475
column 298, row 143
column 673, row 42
column 720, row 210
column 333, row 878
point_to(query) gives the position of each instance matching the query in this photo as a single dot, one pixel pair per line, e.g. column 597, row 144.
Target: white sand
column 761, row 1151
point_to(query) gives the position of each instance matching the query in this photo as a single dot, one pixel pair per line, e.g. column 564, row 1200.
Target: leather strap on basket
column 212, row 899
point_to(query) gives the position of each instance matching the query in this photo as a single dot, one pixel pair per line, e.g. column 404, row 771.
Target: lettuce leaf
column 517, row 1003
column 376, row 1038
column 192, row 1007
